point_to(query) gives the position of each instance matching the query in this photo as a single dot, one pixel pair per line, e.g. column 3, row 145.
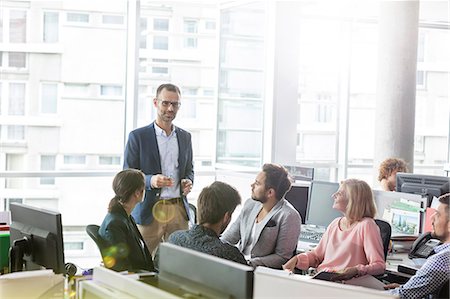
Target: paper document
column 367, row 281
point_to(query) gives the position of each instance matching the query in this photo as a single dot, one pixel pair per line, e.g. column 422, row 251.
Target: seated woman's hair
column 125, row 183
column 390, row 165
column 360, row 200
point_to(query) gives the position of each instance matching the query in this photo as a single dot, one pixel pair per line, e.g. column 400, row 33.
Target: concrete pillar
column 285, row 83
column 396, row 82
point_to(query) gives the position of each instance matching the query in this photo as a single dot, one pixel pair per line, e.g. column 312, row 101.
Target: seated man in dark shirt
column 216, row 203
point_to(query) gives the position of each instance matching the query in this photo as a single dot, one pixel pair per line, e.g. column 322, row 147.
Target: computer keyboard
column 310, row 236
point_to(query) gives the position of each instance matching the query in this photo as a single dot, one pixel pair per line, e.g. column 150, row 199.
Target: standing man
column 164, row 153
column 435, row 273
column 268, row 227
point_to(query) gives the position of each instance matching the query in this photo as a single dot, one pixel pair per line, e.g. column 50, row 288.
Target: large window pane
column 16, row 99
column 17, row 26
column 51, row 27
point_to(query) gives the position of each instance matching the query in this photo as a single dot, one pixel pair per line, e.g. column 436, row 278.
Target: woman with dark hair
column 127, row 249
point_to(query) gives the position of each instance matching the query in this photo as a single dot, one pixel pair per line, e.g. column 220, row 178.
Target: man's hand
column 160, row 181
column 391, row 286
column 290, row 265
column 348, row 273
column 186, row 186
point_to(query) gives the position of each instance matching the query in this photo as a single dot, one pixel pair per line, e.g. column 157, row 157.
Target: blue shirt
column 430, row 277
column 168, row 152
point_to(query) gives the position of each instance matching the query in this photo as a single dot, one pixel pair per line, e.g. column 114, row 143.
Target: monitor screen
column 298, row 197
column 214, row 277
column 300, row 173
column 425, row 185
column 36, row 239
column 320, row 204
column 403, row 211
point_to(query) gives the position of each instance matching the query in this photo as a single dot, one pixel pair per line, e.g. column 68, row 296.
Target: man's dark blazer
column 141, row 152
column 127, row 247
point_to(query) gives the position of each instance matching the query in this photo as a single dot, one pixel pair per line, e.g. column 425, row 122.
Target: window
column 49, row 97
column 190, row 26
column 16, row 99
column 16, row 132
column 210, row 25
column 17, row 59
column 111, row 90
column 76, row 89
column 73, row 245
column 17, row 26
column 77, row 17
column 160, row 43
column 190, row 91
column 143, row 34
column 75, row 159
column 112, row 20
column 158, row 69
column 421, row 81
column 109, row 160
column 208, row 92
column 48, row 162
column 51, row 27
column 161, row 24
column 1, row 27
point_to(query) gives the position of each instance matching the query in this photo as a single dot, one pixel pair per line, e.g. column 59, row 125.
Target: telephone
column 423, row 246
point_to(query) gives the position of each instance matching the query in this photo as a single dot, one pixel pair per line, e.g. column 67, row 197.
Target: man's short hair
column 445, row 200
column 390, row 165
column 215, row 200
column 277, row 178
column 168, row 87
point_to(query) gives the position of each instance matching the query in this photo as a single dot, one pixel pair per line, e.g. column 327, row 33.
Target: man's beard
column 261, row 199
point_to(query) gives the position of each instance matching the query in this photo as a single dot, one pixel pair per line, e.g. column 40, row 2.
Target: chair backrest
column 444, row 291
column 385, row 231
column 92, row 231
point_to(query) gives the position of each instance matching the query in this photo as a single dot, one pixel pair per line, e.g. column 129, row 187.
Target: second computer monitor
column 320, row 204
column 298, row 197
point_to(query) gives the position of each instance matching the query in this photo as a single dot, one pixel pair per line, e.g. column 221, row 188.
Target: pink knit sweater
column 359, row 246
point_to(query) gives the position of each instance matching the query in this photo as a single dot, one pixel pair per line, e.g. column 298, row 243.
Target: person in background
column 127, row 249
column 352, row 244
column 216, row 204
column 433, row 275
column 388, row 171
column 164, row 153
column 268, row 227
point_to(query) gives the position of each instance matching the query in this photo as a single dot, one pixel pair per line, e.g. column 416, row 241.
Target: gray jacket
column 276, row 241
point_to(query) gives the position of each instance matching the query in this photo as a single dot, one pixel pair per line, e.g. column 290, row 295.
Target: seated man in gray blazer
column 268, row 227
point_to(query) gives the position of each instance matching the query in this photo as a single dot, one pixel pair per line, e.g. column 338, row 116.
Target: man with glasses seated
column 164, row 153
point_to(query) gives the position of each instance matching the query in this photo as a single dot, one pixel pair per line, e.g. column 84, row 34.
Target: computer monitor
column 403, row 211
column 320, row 204
column 36, row 239
column 425, row 185
column 298, row 197
column 300, row 173
column 208, row 275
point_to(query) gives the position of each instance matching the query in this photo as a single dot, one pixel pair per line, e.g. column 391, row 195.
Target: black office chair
column 385, row 230
column 92, row 231
column 444, row 291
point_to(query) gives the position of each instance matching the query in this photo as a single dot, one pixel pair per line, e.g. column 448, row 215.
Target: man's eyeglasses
column 168, row 103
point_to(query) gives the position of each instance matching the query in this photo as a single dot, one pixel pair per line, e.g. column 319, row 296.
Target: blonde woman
column 352, row 244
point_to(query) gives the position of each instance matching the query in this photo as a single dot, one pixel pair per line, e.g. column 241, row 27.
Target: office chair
column 385, row 230
column 444, row 291
column 92, row 231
